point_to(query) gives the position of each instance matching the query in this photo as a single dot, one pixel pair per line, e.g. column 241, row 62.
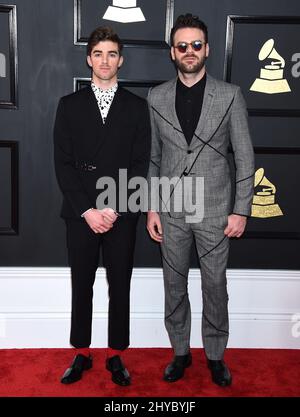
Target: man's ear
column 173, row 53
column 88, row 60
column 207, row 50
column 121, row 60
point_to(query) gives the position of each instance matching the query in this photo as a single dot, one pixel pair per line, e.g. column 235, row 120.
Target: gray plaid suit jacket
column 223, row 122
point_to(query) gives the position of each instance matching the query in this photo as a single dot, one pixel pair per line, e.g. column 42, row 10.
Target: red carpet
column 256, row 373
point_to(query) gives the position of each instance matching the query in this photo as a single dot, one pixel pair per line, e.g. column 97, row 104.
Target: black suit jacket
column 85, row 149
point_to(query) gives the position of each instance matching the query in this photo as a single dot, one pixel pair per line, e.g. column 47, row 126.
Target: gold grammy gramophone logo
column 264, row 204
column 124, row 11
column 271, row 79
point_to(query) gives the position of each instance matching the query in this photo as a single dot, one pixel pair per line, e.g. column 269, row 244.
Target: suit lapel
column 105, row 131
column 171, row 115
column 115, row 110
column 93, row 108
column 94, row 121
column 208, row 100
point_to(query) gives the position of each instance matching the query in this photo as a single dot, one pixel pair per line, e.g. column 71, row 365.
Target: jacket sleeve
column 155, row 159
column 142, row 143
column 67, row 175
column 243, row 155
column 141, row 152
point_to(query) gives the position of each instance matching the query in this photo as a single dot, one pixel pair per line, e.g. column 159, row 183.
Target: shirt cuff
column 243, row 215
column 83, row 214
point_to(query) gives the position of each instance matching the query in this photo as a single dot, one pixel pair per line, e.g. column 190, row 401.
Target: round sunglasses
column 183, row 46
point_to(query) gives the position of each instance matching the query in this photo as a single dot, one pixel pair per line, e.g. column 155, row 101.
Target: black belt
column 85, row 166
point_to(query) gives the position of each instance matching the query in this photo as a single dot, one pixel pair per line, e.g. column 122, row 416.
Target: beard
column 194, row 68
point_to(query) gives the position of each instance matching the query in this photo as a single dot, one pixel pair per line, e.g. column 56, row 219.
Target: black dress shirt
column 189, row 102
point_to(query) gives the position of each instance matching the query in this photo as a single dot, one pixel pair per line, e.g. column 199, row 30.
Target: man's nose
column 104, row 58
column 189, row 48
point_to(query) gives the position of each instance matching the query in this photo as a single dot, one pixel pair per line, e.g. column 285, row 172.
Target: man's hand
column 154, row 226
column 100, row 221
column 236, row 225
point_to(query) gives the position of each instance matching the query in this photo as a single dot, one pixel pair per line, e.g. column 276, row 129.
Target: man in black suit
column 98, row 131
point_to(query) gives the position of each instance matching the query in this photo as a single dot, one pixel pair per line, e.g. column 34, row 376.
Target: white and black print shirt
column 104, row 99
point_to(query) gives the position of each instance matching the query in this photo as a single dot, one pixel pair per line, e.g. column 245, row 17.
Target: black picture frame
column 79, row 83
column 290, row 235
column 13, row 228
column 81, row 39
column 232, row 22
column 10, row 62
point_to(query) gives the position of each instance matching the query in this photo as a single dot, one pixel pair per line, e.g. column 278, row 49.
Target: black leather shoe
column 74, row 373
column 175, row 370
column 119, row 374
column 220, row 373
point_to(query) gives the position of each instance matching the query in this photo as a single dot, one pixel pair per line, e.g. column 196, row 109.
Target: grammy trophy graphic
column 264, row 204
column 124, row 11
column 271, row 79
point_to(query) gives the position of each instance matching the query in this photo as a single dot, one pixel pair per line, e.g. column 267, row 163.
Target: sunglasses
column 183, row 46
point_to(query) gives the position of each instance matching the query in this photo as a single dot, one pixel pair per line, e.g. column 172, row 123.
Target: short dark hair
column 188, row 21
column 103, row 33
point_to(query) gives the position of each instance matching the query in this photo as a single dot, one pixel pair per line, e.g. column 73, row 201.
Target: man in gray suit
column 195, row 118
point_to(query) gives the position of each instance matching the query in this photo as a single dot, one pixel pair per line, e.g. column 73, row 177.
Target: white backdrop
column 35, row 308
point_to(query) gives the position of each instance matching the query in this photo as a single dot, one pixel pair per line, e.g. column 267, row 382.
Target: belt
column 85, row 166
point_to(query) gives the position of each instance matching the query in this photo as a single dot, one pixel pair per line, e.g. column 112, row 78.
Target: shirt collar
column 99, row 90
column 198, row 86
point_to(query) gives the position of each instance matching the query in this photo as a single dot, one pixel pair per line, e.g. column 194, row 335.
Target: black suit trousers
column 118, row 251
